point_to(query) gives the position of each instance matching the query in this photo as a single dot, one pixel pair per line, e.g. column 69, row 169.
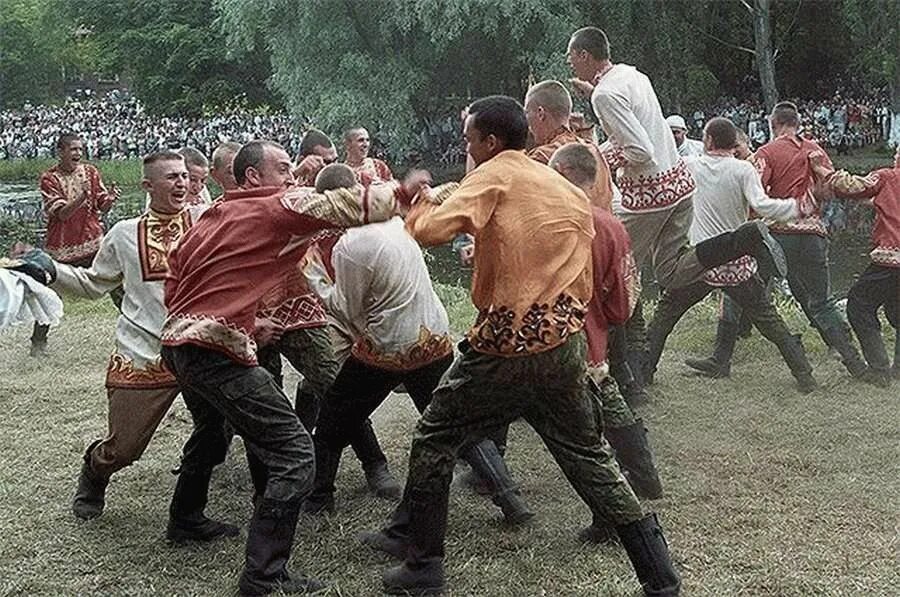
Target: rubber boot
column 422, row 573
column 879, row 364
column 39, row 340
column 392, row 540
column 895, row 370
column 321, row 498
column 838, row 337
column 635, row 458
column 381, row 482
column 270, row 537
column 187, row 522
column 719, row 364
column 794, row 355
column 751, row 238
column 648, row 551
column 90, row 495
column 369, row 453
column 485, row 460
column 600, row 531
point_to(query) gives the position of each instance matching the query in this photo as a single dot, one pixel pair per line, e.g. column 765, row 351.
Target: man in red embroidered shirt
column 356, row 143
column 879, row 285
column 74, row 197
column 783, row 164
column 219, row 272
column 298, row 315
column 615, row 293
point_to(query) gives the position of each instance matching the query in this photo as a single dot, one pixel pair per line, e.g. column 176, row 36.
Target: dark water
column 849, row 252
column 849, row 256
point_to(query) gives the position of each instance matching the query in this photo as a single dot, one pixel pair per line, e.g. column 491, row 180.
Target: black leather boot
column 270, row 537
column 750, row 238
column 422, row 573
column 90, row 495
column 634, row 457
column 187, row 522
column 374, row 463
column 39, row 340
column 321, row 498
column 719, row 364
column 392, row 540
column 648, row 551
column 839, row 338
column 598, row 532
column 485, row 460
column 794, row 355
column 381, row 481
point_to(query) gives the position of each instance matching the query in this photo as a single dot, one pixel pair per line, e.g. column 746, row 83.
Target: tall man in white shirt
column 656, row 184
column 727, row 188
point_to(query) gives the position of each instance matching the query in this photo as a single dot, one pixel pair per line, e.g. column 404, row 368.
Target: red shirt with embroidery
column 884, row 186
column 372, row 170
column 76, row 238
column 615, row 286
column 783, row 165
column 238, row 252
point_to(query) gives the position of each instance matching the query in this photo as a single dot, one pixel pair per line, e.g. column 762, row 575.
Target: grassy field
column 768, row 492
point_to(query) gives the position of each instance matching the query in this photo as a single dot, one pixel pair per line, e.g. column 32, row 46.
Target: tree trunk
column 895, row 108
column 765, row 58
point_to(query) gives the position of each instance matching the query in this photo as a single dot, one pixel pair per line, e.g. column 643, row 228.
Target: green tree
column 171, row 53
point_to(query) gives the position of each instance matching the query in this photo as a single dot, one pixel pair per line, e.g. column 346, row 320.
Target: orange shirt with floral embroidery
column 533, row 273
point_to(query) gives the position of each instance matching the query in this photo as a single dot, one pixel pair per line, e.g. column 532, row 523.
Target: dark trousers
column 809, row 278
column 878, row 286
column 310, row 353
column 481, row 392
column 753, row 299
column 217, row 389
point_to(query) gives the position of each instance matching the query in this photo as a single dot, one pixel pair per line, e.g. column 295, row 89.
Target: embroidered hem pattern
column 121, row 373
column 428, row 348
column 886, row 256
column 658, row 191
column 501, row 331
column 296, row 312
column 75, row 253
column 732, row 273
column 809, row 225
column 212, row 332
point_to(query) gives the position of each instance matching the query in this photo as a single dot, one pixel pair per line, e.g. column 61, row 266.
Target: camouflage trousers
column 549, row 390
column 612, row 410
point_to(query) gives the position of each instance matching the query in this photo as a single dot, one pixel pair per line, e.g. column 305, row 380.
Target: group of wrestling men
column 320, row 262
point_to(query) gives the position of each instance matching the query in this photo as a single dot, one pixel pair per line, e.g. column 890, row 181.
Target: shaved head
column 552, row 96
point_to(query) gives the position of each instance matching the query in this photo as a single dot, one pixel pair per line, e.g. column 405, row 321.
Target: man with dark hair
column 74, row 197
column 140, row 389
column 368, row 169
column 219, row 273
column 297, row 318
column 786, row 174
column 523, row 357
column 727, row 188
column 335, row 176
column 615, row 294
column 316, row 143
column 656, row 184
column 222, row 170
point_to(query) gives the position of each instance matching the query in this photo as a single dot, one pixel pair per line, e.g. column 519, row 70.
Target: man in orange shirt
column 524, row 355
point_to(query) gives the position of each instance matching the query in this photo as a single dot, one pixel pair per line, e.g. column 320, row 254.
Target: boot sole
column 182, row 537
column 418, row 592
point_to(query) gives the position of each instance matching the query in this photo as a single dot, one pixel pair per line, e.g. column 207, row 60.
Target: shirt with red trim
column 77, row 238
column 240, row 250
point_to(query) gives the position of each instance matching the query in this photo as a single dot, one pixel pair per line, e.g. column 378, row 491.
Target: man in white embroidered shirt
column 726, row 189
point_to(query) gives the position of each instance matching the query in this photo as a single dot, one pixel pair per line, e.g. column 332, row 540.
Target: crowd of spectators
column 851, row 116
column 118, row 127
